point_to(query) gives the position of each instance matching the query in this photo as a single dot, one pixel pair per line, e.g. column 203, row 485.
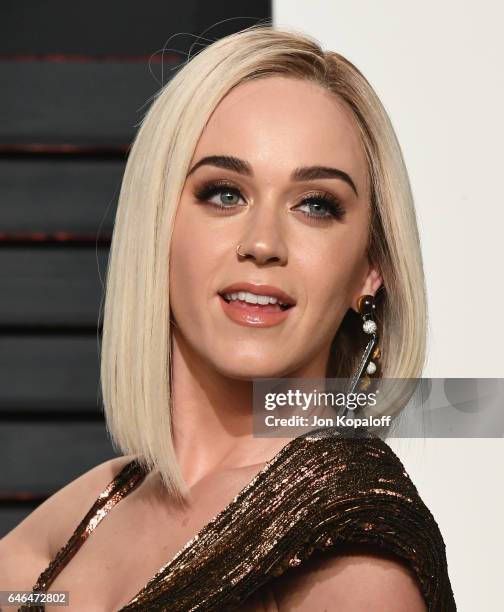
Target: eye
column 220, row 195
column 322, row 206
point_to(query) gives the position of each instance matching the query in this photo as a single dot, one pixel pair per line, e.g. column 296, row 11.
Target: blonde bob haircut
column 136, row 359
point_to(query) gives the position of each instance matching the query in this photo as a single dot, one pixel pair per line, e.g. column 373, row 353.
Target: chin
column 248, row 369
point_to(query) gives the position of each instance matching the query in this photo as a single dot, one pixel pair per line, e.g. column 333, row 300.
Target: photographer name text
column 297, row 420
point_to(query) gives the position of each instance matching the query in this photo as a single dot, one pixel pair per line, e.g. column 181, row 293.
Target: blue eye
column 323, row 206
column 221, row 196
column 227, row 196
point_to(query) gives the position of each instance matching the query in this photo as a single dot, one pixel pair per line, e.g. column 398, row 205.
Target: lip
column 255, row 315
column 260, row 289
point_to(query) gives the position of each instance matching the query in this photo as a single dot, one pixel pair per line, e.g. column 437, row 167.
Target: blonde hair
column 136, row 359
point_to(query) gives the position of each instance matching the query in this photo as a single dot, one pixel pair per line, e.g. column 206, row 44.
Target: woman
column 264, row 195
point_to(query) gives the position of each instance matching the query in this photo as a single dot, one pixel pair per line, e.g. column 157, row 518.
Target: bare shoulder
column 72, row 502
column 29, row 547
column 359, row 578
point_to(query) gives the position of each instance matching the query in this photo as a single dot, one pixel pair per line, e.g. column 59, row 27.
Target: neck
column 212, row 417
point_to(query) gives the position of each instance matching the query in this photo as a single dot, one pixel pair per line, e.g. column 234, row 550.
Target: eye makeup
column 332, row 209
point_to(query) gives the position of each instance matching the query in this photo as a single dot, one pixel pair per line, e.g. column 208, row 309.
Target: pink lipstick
column 256, row 305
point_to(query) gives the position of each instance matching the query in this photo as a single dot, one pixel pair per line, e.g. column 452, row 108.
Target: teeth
column 252, row 298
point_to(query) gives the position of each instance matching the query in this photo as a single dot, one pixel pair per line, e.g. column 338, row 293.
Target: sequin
column 320, row 490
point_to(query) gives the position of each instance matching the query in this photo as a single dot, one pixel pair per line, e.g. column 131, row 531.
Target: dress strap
column 125, row 481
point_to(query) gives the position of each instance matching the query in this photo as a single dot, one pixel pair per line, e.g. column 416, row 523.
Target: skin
column 275, row 124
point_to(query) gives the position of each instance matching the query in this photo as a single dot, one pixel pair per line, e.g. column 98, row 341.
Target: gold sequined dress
column 320, row 489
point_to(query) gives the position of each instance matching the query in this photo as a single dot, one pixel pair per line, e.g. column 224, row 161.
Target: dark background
column 75, row 80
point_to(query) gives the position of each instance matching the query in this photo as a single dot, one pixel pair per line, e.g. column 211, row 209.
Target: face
column 279, row 170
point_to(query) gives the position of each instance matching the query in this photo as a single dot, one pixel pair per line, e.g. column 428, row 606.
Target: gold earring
column 367, row 306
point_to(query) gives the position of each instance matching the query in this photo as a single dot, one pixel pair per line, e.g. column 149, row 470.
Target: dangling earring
column 368, row 363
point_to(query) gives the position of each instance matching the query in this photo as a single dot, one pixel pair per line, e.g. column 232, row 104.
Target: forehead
column 279, row 123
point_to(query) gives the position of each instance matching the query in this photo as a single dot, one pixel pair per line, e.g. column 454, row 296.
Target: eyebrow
column 308, row 173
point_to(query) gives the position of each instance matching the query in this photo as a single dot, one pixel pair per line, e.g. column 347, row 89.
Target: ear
column 372, row 282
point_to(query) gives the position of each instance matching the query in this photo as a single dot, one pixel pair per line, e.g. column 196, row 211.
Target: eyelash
column 334, row 207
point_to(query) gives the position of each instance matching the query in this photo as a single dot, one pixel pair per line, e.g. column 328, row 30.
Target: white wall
column 438, row 69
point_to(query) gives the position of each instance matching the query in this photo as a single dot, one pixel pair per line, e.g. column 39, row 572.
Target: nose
column 263, row 240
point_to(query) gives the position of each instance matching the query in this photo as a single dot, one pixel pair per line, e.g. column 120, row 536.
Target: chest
column 131, row 544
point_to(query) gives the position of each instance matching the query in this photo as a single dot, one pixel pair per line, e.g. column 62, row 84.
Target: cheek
column 190, row 261
column 332, row 270
column 329, row 298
